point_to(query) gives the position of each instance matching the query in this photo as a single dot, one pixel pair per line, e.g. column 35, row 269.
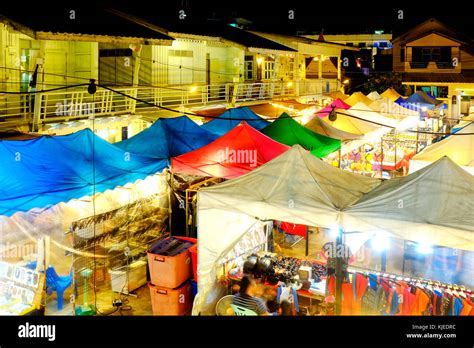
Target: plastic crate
column 194, row 288
column 136, row 277
column 165, row 301
column 194, row 260
column 170, row 271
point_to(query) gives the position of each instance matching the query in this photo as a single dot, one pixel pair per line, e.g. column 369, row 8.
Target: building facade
column 438, row 60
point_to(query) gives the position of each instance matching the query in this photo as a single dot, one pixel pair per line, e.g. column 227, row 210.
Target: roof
column 48, row 21
column 429, row 26
column 238, row 152
column 168, row 137
column 306, row 40
column 289, row 132
column 204, row 28
column 463, row 77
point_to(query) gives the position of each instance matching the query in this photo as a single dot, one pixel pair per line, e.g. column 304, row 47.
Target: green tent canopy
column 289, row 132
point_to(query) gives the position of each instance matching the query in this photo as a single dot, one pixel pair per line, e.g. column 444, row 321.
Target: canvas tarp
column 337, row 104
column 419, row 100
column 391, row 94
column 275, row 109
column 239, row 151
column 232, row 118
column 433, row 205
column 374, row 95
column 47, row 170
column 325, row 128
column 338, row 95
column 295, row 187
column 459, row 148
column 168, row 137
column 357, row 97
column 289, row 132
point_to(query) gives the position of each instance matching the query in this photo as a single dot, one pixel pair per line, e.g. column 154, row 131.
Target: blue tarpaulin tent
column 168, row 137
column 420, row 100
column 232, row 118
column 41, row 172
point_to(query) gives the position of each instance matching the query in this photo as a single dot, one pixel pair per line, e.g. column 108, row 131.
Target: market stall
column 289, row 132
column 232, row 118
column 295, row 187
column 299, row 191
column 87, row 200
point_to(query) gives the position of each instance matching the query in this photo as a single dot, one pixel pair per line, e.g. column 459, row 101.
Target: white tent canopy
column 295, row 187
column 433, row 205
column 374, row 95
column 460, row 148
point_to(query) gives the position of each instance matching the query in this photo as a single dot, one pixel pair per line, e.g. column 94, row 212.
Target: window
column 249, row 75
column 431, row 54
column 402, row 55
column 383, row 44
column 269, row 70
column 350, row 44
column 180, row 53
column 362, row 44
column 440, row 91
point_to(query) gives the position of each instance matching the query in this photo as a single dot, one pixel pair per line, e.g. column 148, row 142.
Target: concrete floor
column 140, row 305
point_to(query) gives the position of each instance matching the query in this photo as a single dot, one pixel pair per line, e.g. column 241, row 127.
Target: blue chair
column 57, row 283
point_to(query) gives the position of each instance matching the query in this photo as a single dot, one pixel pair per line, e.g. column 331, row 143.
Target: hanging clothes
column 374, row 301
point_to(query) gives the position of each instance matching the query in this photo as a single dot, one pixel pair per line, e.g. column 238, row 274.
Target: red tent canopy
column 235, row 153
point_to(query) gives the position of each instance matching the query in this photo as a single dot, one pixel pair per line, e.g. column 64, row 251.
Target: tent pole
column 339, row 273
column 307, row 241
column 340, row 155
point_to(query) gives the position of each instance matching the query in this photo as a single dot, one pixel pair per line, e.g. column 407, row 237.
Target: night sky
column 310, row 16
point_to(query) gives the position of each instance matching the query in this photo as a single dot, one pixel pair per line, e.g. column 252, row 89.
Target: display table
column 21, row 289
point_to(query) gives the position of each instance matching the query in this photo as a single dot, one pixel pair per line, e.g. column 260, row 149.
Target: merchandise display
column 21, row 289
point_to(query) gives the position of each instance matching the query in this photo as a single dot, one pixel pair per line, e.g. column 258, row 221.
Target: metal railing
column 74, row 104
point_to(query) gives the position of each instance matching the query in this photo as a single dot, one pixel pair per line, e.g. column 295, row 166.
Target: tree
column 380, row 82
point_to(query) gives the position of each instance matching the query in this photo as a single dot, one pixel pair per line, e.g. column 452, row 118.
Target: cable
column 270, row 118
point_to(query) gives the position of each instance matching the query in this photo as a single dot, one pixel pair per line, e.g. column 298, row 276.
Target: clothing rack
column 395, row 277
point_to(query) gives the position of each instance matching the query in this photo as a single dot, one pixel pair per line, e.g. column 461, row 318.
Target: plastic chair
column 241, row 311
column 57, row 283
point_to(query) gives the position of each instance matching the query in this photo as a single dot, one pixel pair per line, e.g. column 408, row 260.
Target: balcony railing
column 70, row 105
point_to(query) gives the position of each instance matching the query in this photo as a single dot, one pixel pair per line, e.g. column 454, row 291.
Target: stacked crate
column 170, row 287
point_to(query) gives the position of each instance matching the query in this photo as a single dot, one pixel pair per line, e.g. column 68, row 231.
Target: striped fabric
column 253, row 303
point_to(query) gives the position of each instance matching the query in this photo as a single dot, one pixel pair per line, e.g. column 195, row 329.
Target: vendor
column 246, row 299
column 331, row 251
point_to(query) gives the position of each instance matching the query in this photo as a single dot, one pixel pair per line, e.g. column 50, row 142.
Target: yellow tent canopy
column 358, row 97
column 391, row 94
